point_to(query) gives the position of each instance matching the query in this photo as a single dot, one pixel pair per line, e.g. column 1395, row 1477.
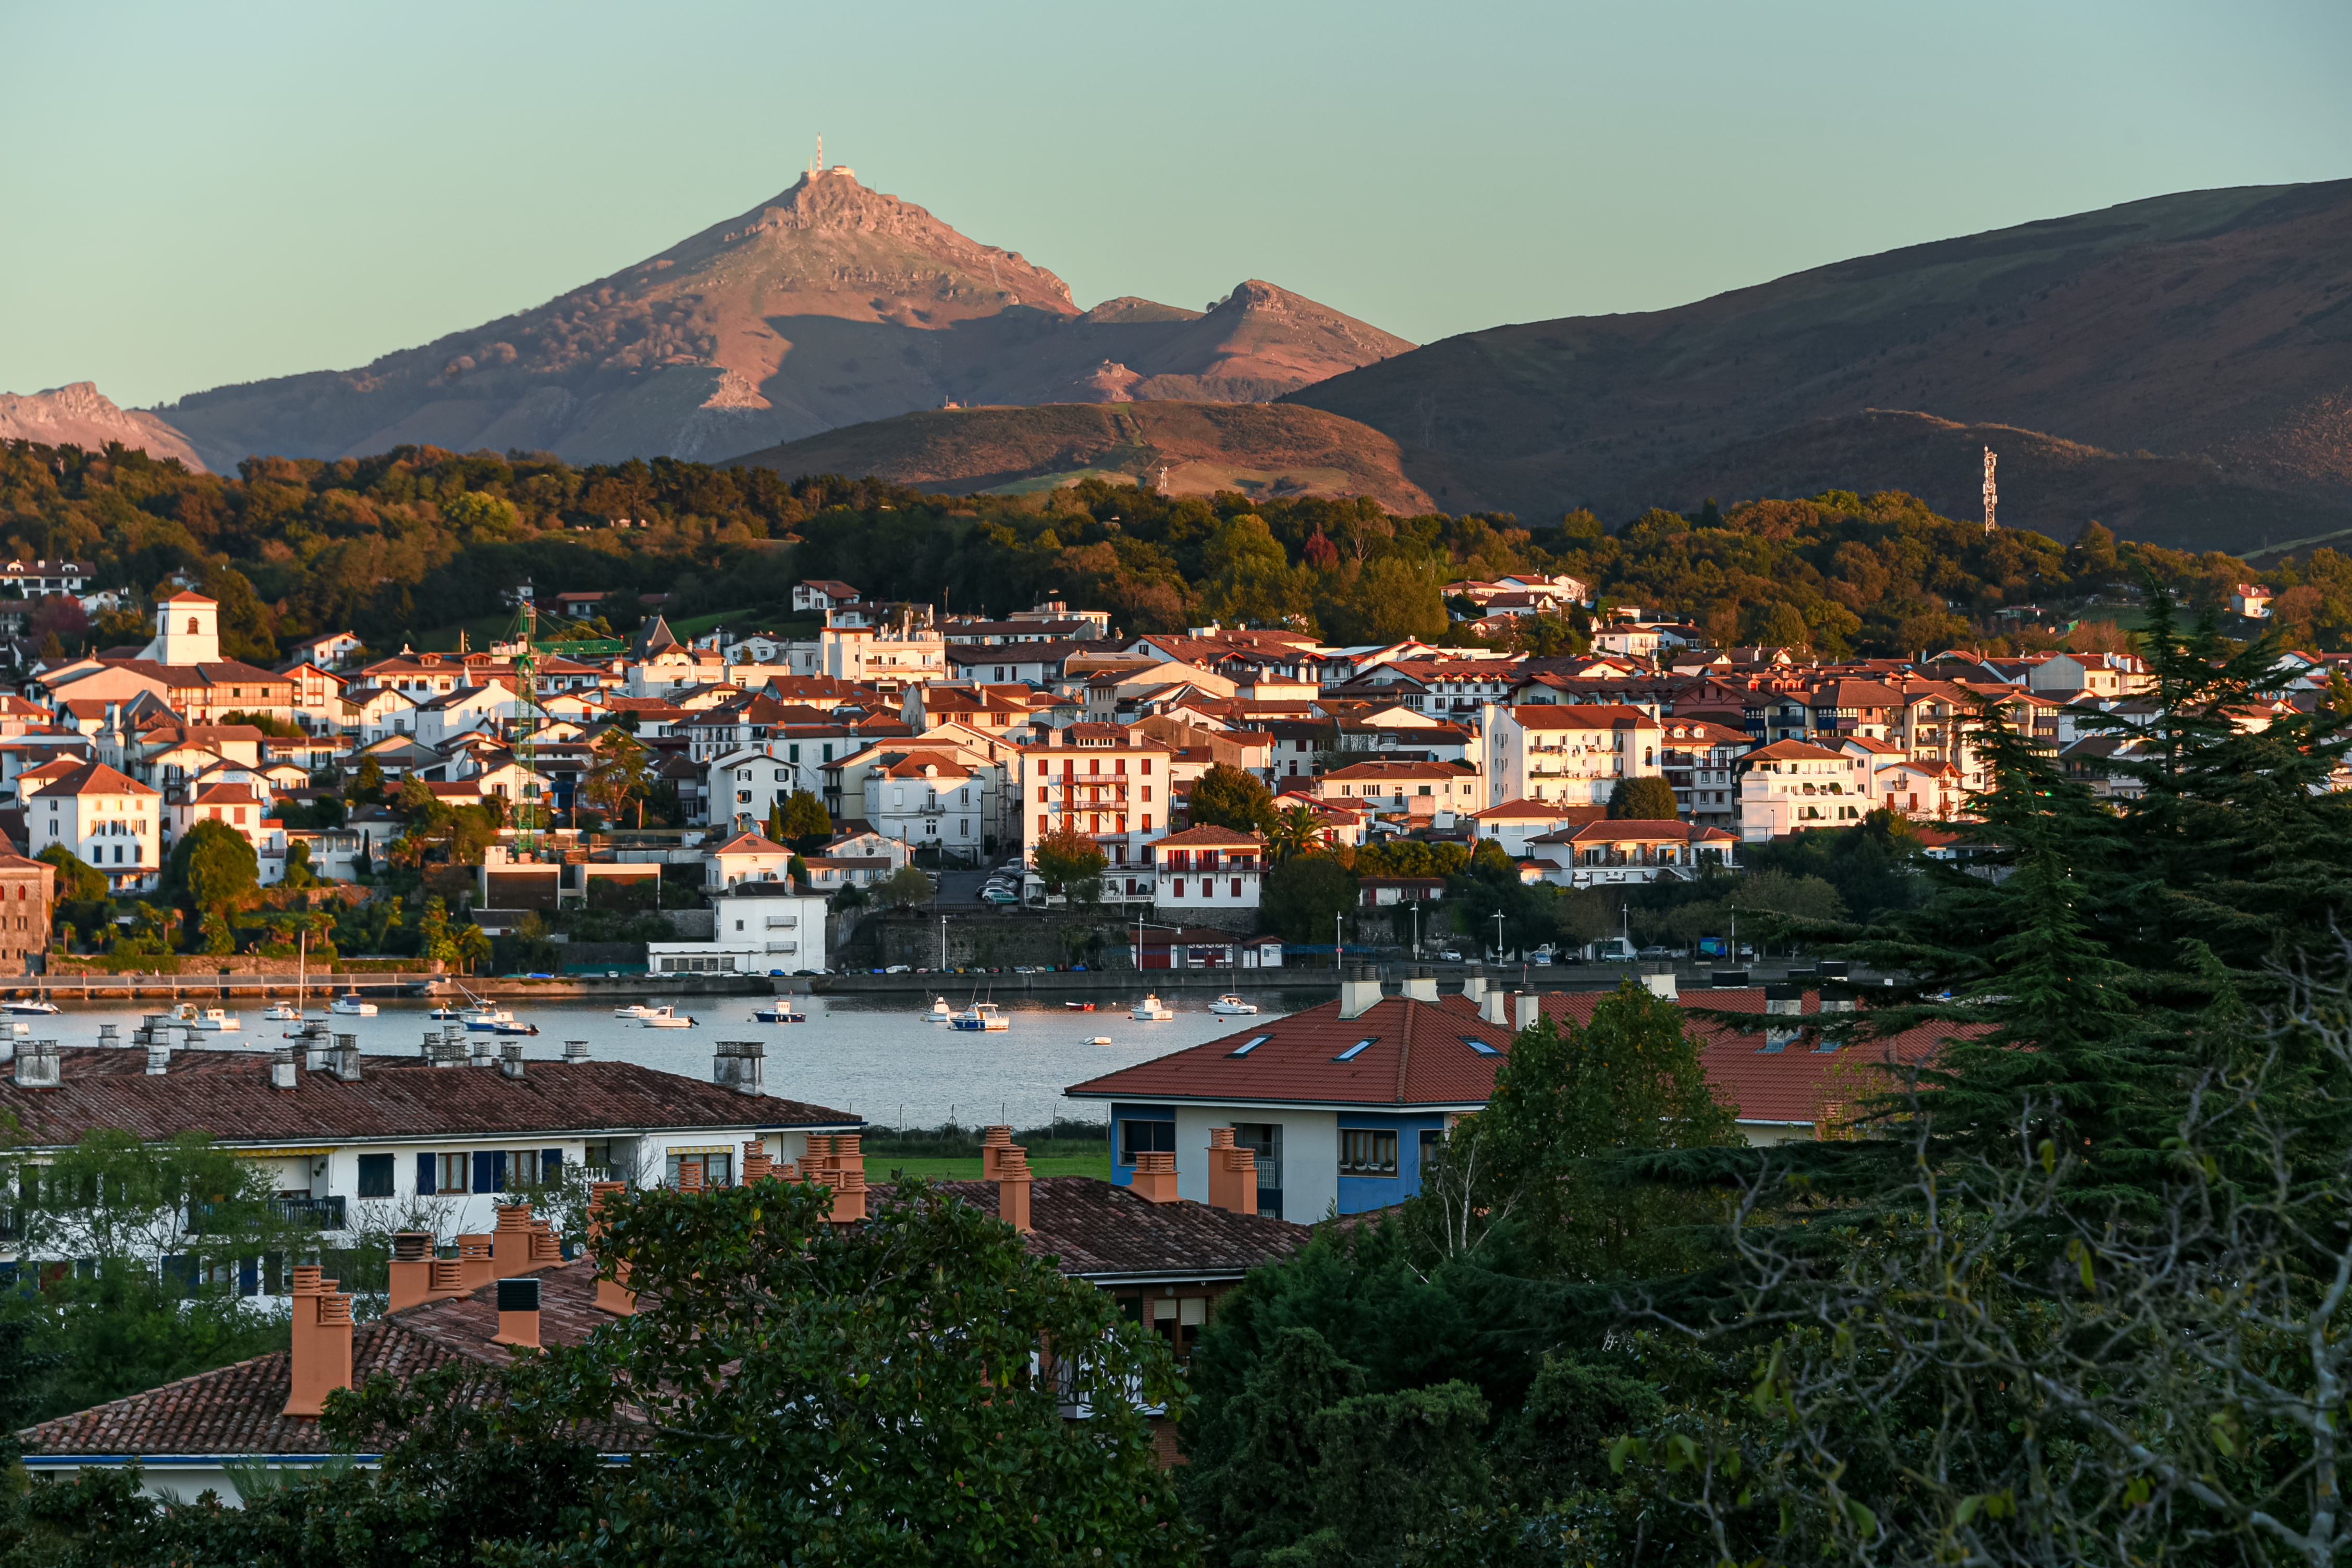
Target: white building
column 107, row 817
column 1111, row 784
column 759, row 927
column 1571, row 753
column 1207, row 867
column 187, row 631
column 1793, row 786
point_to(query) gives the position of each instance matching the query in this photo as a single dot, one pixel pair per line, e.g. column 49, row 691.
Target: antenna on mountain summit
column 1990, row 494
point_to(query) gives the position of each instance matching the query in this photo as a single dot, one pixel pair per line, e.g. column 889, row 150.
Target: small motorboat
column 664, row 1017
column 780, row 1012
column 485, row 1020
column 633, row 1012
column 1153, row 1010
column 981, row 1016
column 1079, row 1006
column 349, row 1005
column 284, row 1013
column 940, row 1011
column 36, row 1008
column 446, row 1014
column 1231, row 1007
column 508, row 1026
column 1099, row 1040
column 213, row 1020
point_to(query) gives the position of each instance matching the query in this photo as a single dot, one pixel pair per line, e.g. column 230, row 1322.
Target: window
column 376, row 1175
column 1363, row 1152
column 452, row 1173
column 1246, row 1047
column 1481, row 1046
column 1352, row 1052
column 1145, row 1138
column 711, row 1170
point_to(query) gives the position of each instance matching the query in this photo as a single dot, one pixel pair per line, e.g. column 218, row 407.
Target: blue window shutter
column 486, row 1175
column 551, row 1166
column 499, row 1170
column 428, row 1178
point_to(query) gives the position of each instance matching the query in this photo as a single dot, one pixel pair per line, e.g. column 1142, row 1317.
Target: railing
column 316, row 1214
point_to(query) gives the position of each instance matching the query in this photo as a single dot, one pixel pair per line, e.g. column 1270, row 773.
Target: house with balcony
column 1432, row 790
column 1616, row 852
column 1794, row 786
column 1111, row 783
column 1207, row 867
column 746, row 857
column 1571, row 753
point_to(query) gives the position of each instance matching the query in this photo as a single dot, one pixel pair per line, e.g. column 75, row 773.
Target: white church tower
column 187, row 631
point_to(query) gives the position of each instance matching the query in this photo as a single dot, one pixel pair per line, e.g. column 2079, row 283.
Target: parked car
column 1540, row 959
column 1655, row 952
column 897, row 969
column 998, row 896
column 1449, row 956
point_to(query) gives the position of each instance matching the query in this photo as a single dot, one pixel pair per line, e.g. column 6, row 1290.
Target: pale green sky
column 207, row 194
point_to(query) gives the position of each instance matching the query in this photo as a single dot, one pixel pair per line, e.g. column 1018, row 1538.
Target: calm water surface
column 876, row 1055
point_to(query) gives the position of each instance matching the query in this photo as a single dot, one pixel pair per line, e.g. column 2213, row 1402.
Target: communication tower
column 1991, row 496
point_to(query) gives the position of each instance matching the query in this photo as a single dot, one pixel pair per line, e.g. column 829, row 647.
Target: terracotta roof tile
column 1094, row 1228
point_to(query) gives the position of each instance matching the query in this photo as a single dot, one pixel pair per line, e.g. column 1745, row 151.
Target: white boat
column 1153, row 1010
column 633, row 1012
column 216, row 1020
column 349, row 1005
column 508, row 1026
column 940, row 1011
column 1099, row 1040
column 981, row 1016
column 486, row 1019
column 36, row 1008
column 780, row 1012
column 666, row 1017
column 1231, row 1007
column 446, row 1014
column 285, row 1013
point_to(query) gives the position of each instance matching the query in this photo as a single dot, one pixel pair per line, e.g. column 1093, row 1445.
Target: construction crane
column 1990, row 494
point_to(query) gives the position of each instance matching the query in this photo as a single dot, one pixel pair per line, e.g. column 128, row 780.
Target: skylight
column 1246, row 1047
column 1352, row 1052
column 1481, row 1046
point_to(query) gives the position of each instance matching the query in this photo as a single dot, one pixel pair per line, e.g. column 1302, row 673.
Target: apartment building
column 1794, row 786
column 1574, row 753
column 1113, row 785
column 107, row 817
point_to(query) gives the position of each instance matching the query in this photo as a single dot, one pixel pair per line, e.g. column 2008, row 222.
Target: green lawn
column 883, row 1167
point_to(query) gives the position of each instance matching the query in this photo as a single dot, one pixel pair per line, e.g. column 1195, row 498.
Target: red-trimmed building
column 1207, row 867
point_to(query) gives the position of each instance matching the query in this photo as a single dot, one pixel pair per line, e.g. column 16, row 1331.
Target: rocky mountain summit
column 81, row 416
column 830, row 305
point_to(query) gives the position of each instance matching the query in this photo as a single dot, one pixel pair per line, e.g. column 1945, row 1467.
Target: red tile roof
column 1097, row 1230
column 1418, row 1058
column 228, row 1093
column 1208, row 834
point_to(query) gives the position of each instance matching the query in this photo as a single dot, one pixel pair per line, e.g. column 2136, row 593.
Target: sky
column 203, row 194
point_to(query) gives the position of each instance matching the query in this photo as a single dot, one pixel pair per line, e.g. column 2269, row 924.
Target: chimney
column 739, row 1065
column 1659, row 979
column 575, row 1051
column 1013, row 1183
column 345, row 1059
column 1494, row 1006
column 159, row 1058
column 412, row 1269
column 756, row 1164
column 476, row 1267
column 612, row 1296
column 283, row 1073
column 1839, row 973
column 1155, row 1178
column 510, row 1242
column 992, row 1144
column 546, row 1246
column 1782, row 1002
column 1421, row 984
column 510, row 1060
column 517, row 1312
column 1730, row 979
column 1233, row 1173
column 321, row 1344
column 485, row 1051
column 1360, row 992
column 1526, row 1007
column 845, row 1174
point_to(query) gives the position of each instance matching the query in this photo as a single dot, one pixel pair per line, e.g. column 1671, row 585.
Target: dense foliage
column 419, row 538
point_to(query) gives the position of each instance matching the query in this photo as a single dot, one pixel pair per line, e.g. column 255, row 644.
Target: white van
column 1613, row 949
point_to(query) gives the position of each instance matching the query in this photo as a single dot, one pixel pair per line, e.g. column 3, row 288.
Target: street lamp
column 1416, row 931
column 1338, row 948
column 1498, row 936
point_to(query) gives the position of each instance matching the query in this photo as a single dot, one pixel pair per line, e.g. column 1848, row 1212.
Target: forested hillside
column 418, row 538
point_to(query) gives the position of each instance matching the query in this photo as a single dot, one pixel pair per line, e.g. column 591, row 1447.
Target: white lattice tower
column 1992, row 495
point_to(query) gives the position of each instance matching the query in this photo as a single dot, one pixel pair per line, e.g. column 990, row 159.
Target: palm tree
column 473, row 946
column 1297, row 830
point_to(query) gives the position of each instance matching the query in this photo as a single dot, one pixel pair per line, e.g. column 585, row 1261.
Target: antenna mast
column 1992, row 495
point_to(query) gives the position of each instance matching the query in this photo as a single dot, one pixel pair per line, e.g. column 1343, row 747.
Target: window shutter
column 428, row 1180
column 486, row 1176
column 498, row 1172
column 551, row 1166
